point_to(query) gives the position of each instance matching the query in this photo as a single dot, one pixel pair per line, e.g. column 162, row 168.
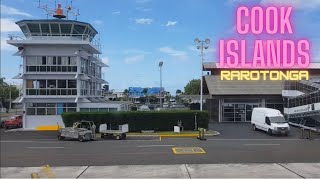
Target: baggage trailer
column 116, row 134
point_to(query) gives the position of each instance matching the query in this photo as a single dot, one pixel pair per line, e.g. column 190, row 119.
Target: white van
column 269, row 120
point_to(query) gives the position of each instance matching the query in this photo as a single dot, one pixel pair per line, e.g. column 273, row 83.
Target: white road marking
column 157, row 145
column 45, row 147
column 261, row 144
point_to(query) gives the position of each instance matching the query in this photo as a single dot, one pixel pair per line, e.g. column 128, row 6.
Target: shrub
column 139, row 120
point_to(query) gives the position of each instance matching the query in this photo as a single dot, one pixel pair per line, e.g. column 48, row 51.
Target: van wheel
column 254, row 127
column 270, row 132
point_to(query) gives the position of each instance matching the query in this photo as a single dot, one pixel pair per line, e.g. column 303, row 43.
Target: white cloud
column 9, row 25
column 171, row 23
column 299, row 4
column 142, row 9
column 134, row 59
column 105, row 60
column 6, row 10
column 116, row 13
column 135, row 51
column 180, row 55
column 144, row 21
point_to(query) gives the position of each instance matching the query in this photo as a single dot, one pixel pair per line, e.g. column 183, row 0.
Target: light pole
column 160, row 66
column 202, row 45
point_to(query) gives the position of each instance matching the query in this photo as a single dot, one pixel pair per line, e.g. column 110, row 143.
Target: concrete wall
column 32, row 122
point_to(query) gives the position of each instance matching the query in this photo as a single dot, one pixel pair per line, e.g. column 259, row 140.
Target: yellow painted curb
column 48, row 128
column 176, row 135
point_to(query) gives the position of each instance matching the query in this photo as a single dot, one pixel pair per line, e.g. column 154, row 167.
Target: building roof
column 57, row 27
column 213, row 65
column 220, row 87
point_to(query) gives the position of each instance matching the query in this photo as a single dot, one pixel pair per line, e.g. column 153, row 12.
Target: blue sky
column 137, row 34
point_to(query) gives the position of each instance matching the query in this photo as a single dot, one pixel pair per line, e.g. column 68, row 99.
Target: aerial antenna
column 71, row 10
column 57, row 10
column 45, row 7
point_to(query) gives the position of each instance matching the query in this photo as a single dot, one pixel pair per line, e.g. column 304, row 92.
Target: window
column 31, row 60
column 44, row 60
column 62, row 84
column 268, row 121
column 31, row 111
column 52, row 84
column 42, row 84
column 72, row 84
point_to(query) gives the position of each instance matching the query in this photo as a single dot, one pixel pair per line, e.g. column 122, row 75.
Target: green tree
column 193, row 87
column 5, row 91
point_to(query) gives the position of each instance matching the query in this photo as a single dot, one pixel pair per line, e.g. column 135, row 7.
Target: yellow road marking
column 188, row 150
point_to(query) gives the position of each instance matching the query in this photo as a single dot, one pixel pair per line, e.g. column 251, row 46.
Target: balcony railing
column 68, row 37
column 51, row 92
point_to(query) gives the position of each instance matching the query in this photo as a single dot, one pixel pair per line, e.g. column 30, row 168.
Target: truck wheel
column 270, row 132
column 123, row 136
column 60, row 137
column 88, row 137
column 118, row 137
column 81, row 138
column 254, row 127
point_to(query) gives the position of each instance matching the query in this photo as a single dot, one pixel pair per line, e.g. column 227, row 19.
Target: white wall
column 33, row 121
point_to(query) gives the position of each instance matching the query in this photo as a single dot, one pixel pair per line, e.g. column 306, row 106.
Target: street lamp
column 202, row 45
column 160, row 66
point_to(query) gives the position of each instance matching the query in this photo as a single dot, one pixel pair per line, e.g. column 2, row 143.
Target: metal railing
column 72, row 37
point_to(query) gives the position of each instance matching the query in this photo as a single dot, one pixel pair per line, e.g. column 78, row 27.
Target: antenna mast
column 57, row 11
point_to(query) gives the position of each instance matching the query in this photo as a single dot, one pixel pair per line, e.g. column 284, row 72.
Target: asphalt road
column 236, row 144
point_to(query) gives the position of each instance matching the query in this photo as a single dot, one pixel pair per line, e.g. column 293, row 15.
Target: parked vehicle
column 82, row 131
column 269, row 120
column 13, row 122
column 144, row 108
column 116, row 134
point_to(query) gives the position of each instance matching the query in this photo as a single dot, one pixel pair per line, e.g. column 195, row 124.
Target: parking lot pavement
column 236, row 144
column 186, row 171
column 244, row 131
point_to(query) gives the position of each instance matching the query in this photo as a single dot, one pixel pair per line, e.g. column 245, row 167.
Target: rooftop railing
column 67, row 37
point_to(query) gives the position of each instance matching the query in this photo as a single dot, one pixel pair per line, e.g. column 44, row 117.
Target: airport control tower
column 61, row 70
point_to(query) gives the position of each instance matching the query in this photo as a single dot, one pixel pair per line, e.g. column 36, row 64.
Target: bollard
column 201, row 134
column 302, row 133
column 309, row 135
column 34, row 176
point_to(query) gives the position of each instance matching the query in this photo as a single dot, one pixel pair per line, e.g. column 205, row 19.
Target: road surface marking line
column 45, row 147
column 261, row 144
column 156, row 146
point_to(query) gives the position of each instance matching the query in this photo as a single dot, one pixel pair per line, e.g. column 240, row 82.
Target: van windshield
column 277, row 119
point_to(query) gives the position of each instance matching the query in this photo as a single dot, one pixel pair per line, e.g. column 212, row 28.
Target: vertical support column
column 220, row 109
column 263, row 102
column 78, row 59
column 24, row 93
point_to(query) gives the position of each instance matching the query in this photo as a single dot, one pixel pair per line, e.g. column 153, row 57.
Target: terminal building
column 233, row 101
column 62, row 71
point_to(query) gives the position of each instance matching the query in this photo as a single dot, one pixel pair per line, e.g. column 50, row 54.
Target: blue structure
column 136, row 92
